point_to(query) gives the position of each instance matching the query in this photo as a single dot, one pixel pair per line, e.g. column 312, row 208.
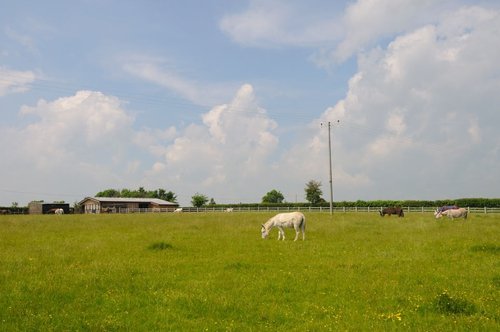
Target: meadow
column 213, row 272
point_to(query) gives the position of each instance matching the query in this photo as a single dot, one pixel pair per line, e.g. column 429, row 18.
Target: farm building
column 46, row 208
column 125, row 205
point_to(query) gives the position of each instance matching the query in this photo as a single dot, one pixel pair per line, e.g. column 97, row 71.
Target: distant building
column 125, row 205
column 46, row 208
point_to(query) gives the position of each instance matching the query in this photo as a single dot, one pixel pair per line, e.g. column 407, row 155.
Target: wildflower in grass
column 392, row 316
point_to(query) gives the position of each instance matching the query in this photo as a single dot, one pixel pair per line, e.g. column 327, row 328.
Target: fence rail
column 340, row 209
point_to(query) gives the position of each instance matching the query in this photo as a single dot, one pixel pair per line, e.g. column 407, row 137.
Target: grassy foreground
column 213, row 272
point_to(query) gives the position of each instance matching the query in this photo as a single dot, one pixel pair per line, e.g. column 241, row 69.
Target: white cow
column 229, row 210
column 439, row 211
column 178, row 210
column 455, row 213
column 59, row 211
column 281, row 220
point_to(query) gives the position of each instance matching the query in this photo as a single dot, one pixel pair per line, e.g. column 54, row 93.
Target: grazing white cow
column 439, row 211
column 178, row 210
column 455, row 213
column 59, row 211
column 281, row 220
column 229, row 210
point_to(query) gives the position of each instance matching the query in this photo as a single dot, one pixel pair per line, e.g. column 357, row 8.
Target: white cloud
column 422, row 110
column 75, row 143
column 88, row 117
column 158, row 71
column 13, row 81
column 363, row 24
column 396, row 123
column 22, row 39
column 366, row 21
column 474, row 131
column 276, row 23
column 154, row 140
column 224, row 154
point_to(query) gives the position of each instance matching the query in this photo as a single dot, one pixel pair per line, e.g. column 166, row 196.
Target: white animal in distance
column 291, row 219
column 455, row 213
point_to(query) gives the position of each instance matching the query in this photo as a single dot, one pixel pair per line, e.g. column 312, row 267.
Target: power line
column 170, row 102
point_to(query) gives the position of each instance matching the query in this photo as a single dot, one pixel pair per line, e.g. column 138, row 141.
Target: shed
column 38, row 207
column 125, row 205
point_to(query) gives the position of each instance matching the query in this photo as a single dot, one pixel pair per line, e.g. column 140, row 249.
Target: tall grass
column 213, row 272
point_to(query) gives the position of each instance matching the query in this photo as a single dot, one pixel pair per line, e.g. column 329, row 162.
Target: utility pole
column 330, row 159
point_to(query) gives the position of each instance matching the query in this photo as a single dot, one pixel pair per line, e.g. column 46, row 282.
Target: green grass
column 182, row 272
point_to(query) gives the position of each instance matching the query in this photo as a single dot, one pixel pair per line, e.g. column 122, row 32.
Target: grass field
column 213, row 272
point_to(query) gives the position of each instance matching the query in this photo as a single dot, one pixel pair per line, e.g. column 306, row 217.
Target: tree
column 198, row 200
column 108, row 193
column 140, row 193
column 273, row 196
column 314, row 192
column 166, row 196
column 171, row 197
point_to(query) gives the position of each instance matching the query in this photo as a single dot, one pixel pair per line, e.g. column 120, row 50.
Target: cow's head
column 264, row 232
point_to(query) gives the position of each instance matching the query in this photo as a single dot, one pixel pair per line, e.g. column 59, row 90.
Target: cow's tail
column 303, row 226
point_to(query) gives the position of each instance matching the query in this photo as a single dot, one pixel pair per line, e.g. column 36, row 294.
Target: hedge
column 462, row 202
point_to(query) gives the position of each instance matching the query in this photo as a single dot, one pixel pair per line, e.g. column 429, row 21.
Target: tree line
column 313, row 196
column 461, row 202
column 139, row 193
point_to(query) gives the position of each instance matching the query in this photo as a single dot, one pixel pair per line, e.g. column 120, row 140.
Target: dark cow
column 392, row 210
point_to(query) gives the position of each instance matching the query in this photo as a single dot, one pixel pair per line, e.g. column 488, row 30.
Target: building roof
column 155, row 201
column 46, row 203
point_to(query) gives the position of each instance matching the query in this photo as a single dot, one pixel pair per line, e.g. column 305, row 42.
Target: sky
column 232, row 99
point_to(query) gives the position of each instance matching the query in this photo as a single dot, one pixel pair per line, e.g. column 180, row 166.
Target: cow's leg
column 297, row 231
column 281, row 233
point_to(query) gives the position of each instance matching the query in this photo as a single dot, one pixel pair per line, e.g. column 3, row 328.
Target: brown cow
column 392, row 210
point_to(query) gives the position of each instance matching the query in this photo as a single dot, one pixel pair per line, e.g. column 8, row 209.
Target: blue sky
column 226, row 98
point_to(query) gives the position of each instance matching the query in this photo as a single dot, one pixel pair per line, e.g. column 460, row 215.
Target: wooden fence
column 304, row 209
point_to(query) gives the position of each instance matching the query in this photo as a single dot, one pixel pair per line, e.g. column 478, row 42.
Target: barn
column 125, row 205
column 37, row 207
